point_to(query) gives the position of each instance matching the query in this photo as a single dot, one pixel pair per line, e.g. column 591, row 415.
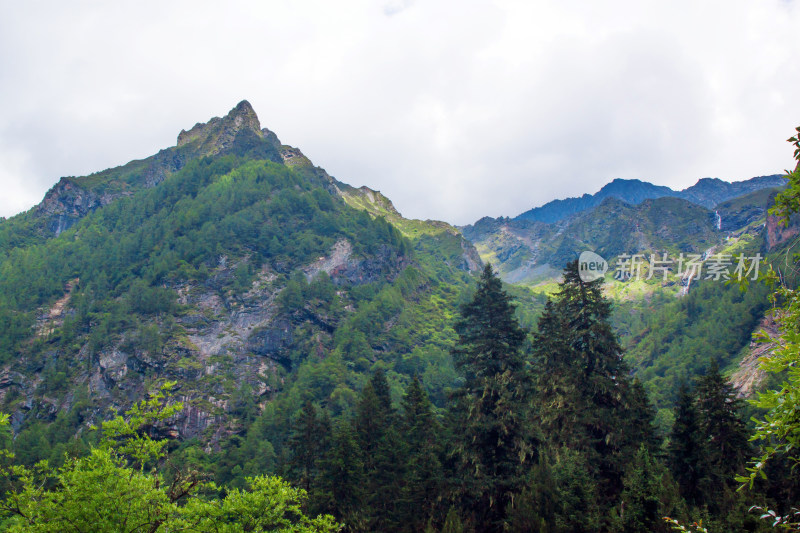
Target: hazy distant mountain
column 625, row 216
column 630, row 191
column 706, row 192
column 525, row 250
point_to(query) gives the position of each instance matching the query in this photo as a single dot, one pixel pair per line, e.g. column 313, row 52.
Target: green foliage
column 686, row 448
column 120, row 486
column 713, row 321
column 788, row 202
column 423, row 473
column 778, row 431
column 376, row 431
column 308, row 441
column 649, row 494
column 268, row 504
column 725, row 445
column 585, row 395
column 342, row 478
column 494, row 442
column 550, row 437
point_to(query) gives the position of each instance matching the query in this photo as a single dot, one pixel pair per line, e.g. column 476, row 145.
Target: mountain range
column 232, row 264
column 707, row 192
column 625, row 217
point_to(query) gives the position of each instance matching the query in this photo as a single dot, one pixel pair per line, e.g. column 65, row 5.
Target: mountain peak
column 242, row 108
column 218, row 133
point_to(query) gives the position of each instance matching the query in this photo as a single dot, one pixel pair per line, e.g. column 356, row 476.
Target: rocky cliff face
column 221, row 135
column 229, row 341
column 67, row 202
column 779, row 231
column 748, row 377
column 226, row 339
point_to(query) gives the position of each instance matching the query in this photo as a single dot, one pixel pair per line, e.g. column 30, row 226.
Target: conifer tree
column 453, row 523
column 382, row 454
column 424, row 476
column 641, row 426
column 587, row 401
column 723, row 434
column 341, row 478
column 494, row 443
column 307, row 443
column 649, row 494
column 556, row 382
column 685, row 448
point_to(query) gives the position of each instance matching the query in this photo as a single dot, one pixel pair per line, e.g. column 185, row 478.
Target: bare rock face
column 749, row 375
column 778, row 232
column 472, row 260
column 67, row 202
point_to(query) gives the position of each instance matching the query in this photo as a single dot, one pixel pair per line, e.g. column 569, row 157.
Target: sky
column 455, row 110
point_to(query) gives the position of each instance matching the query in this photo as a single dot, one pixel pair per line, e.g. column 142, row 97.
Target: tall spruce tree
column 382, row 450
column 649, row 494
column 685, row 448
column 587, row 400
column 494, row 443
column 724, row 437
column 423, row 478
column 341, row 481
column 307, row 442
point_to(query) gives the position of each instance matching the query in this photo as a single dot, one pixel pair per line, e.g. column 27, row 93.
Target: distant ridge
column 707, row 192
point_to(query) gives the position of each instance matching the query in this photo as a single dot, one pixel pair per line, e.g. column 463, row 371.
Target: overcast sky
column 454, row 110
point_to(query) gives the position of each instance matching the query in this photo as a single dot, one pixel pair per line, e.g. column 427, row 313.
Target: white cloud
column 455, row 110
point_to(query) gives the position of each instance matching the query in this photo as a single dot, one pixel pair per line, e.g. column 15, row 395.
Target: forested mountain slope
column 312, row 331
column 244, row 275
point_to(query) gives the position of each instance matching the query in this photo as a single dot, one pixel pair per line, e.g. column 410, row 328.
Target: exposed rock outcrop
column 219, row 134
column 67, row 202
column 778, row 232
column 749, row 376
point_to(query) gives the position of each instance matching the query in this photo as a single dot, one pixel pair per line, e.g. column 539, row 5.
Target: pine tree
column 490, row 412
column 685, row 449
column 307, row 443
column 424, row 476
column 586, row 398
column 724, row 437
column 453, row 523
column 649, row 494
column 557, row 384
column 383, row 456
column 341, row 479
column 641, row 420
